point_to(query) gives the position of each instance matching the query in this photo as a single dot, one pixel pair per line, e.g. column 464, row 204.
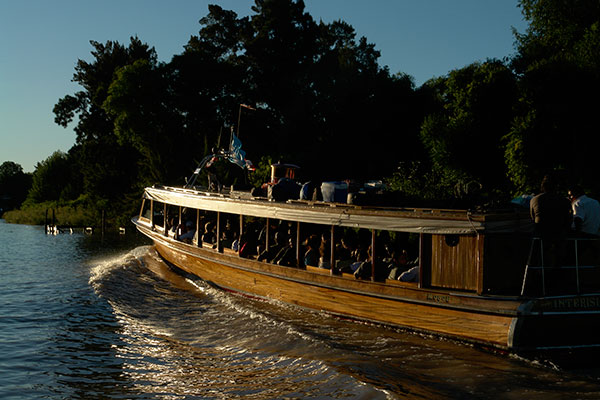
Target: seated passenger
column 270, row 253
column 398, row 264
column 412, row 275
column 325, row 252
column 344, row 257
column 189, row 232
column 311, row 257
column 287, row 255
column 209, row 234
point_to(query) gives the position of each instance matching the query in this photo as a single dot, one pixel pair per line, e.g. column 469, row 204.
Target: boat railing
column 559, row 254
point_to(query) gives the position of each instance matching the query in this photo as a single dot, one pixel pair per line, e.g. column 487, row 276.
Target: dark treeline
column 479, row 135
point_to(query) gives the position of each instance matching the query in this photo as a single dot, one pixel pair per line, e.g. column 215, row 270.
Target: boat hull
column 517, row 325
column 452, row 315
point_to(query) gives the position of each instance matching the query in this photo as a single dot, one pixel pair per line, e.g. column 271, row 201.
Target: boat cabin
column 486, row 254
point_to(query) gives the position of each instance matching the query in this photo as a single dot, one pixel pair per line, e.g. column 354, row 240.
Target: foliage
column 52, row 180
column 262, row 173
column 320, row 100
column 463, row 137
column 108, row 166
column 14, row 185
column 559, row 69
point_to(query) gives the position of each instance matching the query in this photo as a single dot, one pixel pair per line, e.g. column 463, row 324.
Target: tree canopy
column 319, row 98
column 14, row 185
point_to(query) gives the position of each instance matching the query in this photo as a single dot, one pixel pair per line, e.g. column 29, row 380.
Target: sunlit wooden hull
column 504, row 323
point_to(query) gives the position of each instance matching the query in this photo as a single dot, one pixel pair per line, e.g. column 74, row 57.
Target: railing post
column 542, row 261
column 165, row 221
column 332, row 250
column 576, row 264
column 298, row 264
column 372, row 255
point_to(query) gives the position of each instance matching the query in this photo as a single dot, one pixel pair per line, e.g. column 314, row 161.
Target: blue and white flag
column 237, row 155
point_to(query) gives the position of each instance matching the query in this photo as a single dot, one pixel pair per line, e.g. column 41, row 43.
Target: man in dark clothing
column 551, row 214
column 550, row 211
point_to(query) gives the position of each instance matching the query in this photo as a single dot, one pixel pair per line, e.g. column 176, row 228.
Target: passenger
column 287, row 255
column 235, row 245
column 226, row 239
column 189, row 233
column 586, row 212
column 550, row 211
column 172, row 228
column 412, row 275
column 227, row 236
column 325, row 252
column 311, row 257
column 551, row 214
column 246, row 247
column 364, row 269
column 270, row 253
column 209, row 234
column 346, row 255
column 398, row 264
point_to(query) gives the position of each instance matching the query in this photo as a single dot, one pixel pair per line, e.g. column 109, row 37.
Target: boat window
column 146, row 211
column 158, row 218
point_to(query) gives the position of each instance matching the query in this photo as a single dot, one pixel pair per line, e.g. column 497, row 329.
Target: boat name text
column 568, row 304
column 438, row 298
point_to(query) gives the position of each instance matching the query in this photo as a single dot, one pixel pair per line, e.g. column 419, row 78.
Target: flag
column 237, row 155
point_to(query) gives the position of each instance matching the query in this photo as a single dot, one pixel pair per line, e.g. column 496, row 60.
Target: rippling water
column 103, row 318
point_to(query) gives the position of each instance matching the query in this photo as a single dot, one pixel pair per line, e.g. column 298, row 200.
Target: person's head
column 548, row 184
column 575, row 191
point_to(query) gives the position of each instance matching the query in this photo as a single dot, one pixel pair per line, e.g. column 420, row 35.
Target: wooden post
column 219, row 231
column 332, row 250
column 166, row 219
column 198, row 239
column 267, row 231
column 142, row 209
column 298, row 264
column 424, row 260
column 372, row 254
column 479, row 261
column 240, row 235
column 152, row 214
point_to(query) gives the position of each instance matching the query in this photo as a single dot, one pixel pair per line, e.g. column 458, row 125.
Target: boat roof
column 412, row 220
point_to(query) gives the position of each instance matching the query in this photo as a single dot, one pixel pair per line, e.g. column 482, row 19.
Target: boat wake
column 185, row 337
column 181, row 337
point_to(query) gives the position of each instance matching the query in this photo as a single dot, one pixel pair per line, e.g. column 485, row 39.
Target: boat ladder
column 542, row 267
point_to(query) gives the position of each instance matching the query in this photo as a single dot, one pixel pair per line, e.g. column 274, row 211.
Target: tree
column 464, row 136
column 14, row 185
column 50, row 178
column 108, row 165
column 559, row 69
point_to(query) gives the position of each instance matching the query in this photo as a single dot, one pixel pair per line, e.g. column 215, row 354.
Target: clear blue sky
column 41, row 41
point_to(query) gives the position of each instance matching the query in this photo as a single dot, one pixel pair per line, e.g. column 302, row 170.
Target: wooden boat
column 478, row 280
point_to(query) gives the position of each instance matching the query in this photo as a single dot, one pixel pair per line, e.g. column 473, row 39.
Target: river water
column 92, row 317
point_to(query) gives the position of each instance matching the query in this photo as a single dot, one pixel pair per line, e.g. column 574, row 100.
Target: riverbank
column 65, row 217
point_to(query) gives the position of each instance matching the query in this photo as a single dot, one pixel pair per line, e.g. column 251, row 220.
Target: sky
column 41, row 41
